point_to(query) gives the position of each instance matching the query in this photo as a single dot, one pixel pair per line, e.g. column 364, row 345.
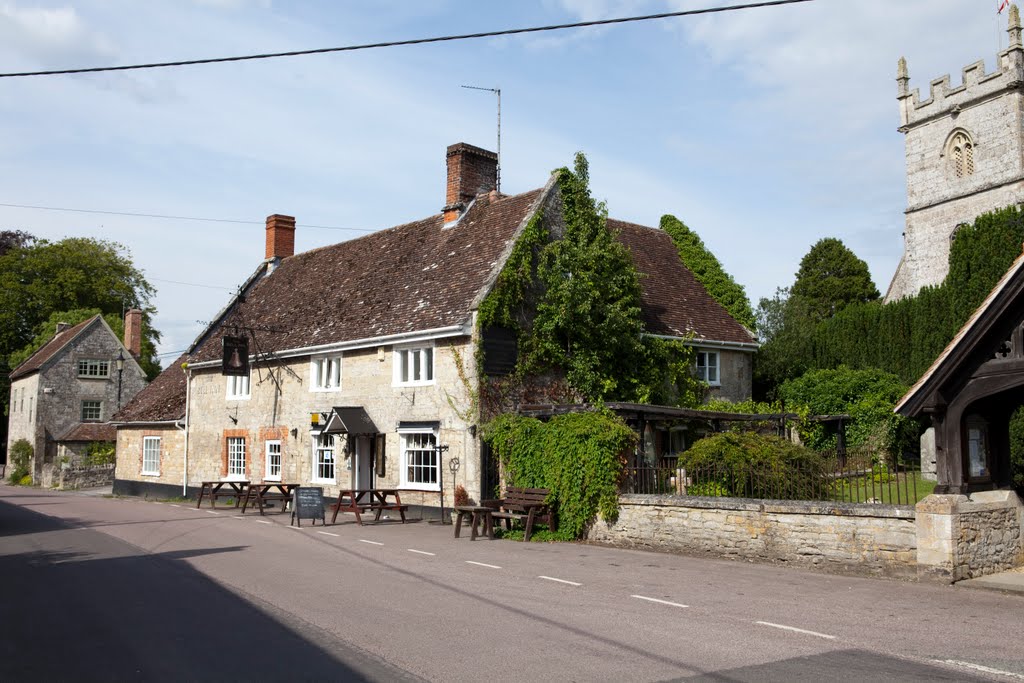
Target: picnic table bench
column 523, row 504
column 263, row 493
column 359, row 501
column 212, row 490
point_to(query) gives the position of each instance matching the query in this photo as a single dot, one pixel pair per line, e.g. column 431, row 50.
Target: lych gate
column 969, row 394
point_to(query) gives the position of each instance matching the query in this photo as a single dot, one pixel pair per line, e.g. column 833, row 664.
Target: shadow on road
column 78, row 604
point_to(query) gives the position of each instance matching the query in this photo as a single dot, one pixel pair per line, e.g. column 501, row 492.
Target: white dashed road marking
column 327, row 533
column 263, row 521
column 420, row 552
column 482, row 564
column 551, row 578
column 660, row 602
column 984, row 669
column 795, row 629
column 363, row 540
column 213, row 512
column 175, row 506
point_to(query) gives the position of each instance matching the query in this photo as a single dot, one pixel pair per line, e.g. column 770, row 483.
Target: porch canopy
column 349, row 420
column 972, row 389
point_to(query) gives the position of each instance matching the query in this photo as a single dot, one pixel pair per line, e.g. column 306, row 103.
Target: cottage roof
column 162, row 401
column 674, row 302
column 1001, row 302
column 89, row 431
column 429, row 276
column 50, row 349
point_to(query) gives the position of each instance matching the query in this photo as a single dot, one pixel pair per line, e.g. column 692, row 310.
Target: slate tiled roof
column 49, row 349
column 162, row 401
column 90, row 431
column 674, row 302
column 413, row 277
column 422, row 276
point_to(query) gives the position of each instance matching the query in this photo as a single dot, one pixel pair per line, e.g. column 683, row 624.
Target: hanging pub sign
column 235, row 360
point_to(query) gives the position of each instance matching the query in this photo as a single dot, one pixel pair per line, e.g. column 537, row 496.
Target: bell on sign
column 235, row 360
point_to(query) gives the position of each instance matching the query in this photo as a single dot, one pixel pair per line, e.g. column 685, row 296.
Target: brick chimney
column 471, row 171
column 280, row 236
column 133, row 331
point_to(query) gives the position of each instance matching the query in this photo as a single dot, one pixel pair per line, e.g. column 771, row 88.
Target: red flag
column 1002, row 6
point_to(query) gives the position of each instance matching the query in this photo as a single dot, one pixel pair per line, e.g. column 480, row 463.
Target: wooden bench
column 523, row 504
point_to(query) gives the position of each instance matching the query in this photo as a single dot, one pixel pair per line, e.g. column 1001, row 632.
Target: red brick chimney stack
column 280, row 236
column 133, row 331
column 471, row 171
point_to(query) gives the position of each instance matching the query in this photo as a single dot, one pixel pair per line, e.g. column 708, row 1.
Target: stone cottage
column 362, row 364
column 81, row 376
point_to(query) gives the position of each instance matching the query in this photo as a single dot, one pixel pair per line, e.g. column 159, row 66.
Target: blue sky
column 764, row 129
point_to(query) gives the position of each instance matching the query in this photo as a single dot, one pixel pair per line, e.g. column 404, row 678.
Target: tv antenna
column 496, row 91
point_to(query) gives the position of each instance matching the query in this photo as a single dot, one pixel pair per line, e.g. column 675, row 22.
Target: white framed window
column 325, row 374
column 238, row 386
column 707, row 367
column 273, row 470
column 419, row 459
column 324, row 458
column 414, row 365
column 151, row 455
column 92, row 411
column 94, row 368
column 236, row 457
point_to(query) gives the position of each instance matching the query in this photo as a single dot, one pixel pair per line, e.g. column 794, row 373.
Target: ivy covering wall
column 573, row 301
column 578, row 456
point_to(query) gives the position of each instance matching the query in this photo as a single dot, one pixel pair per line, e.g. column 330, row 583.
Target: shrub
column 461, row 497
column 577, row 456
column 750, row 465
column 20, row 455
column 100, row 453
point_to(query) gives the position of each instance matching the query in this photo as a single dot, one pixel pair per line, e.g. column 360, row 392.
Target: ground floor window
column 273, row 471
column 419, row 459
column 236, row 457
column 324, row 458
column 151, row 455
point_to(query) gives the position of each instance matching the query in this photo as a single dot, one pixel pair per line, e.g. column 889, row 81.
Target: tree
column 14, row 239
column 832, row 277
column 709, row 271
column 786, row 326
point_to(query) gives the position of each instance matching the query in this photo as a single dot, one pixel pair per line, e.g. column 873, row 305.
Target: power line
column 414, row 41
column 175, row 218
column 191, row 284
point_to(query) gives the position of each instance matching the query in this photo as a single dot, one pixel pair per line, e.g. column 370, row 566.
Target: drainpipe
column 188, row 394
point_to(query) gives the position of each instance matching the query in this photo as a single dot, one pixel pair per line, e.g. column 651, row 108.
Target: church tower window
column 962, row 154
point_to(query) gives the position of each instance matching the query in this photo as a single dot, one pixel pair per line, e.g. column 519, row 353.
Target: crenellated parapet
column 975, row 84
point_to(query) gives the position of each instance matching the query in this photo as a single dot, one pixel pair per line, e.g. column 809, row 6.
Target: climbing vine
column 574, row 303
column 578, row 456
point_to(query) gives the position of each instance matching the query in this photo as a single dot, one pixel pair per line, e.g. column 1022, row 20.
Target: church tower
column 964, row 156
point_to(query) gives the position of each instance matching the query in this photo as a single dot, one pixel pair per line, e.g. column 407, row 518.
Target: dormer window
column 961, row 154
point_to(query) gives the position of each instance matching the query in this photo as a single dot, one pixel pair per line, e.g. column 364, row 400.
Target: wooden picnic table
column 263, row 492
column 359, row 501
column 212, row 490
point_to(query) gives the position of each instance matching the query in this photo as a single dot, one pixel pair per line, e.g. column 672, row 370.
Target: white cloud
column 51, row 37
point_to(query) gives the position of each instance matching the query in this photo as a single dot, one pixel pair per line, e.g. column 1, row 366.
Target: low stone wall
column 857, row 538
column 85, row 477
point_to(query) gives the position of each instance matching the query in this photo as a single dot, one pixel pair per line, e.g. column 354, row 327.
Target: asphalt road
column 120, row 589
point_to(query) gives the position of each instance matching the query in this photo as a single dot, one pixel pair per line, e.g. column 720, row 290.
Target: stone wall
column 858, row 538
column 736, row 371
column 963, row 537
column 172, row 454
column 85, row 477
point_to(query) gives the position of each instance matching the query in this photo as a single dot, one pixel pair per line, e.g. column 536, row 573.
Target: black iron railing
column 829, row 480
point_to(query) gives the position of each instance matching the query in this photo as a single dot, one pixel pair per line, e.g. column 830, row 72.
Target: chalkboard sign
column 308, row 503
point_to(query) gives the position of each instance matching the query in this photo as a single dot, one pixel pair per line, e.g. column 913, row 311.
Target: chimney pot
column 133, row 332
column 280, row 236
column 471, row 171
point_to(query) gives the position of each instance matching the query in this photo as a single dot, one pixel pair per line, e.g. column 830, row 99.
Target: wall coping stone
column 788, row 507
